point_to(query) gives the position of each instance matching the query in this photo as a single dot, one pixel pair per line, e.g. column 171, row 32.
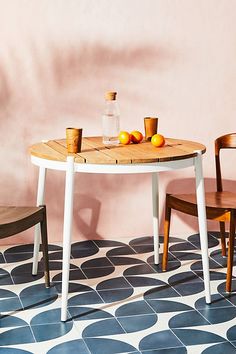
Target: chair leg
column 44, row 236
column 40, row 201
column 230, row 259
column 166, row 237
column 222, row 237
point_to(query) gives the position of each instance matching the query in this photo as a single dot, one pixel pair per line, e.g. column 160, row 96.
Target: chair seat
column 12, row 214
column 15, row 219
column 220, row 206
column 221, row 200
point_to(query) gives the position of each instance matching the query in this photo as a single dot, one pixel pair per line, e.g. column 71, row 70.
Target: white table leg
column 201, row 207
column 40, row 201
column 155, row 213
column 67, row 230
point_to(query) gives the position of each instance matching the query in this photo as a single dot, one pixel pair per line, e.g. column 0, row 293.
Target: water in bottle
column 111, row 120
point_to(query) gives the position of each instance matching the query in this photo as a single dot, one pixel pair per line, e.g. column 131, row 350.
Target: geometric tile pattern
column 119, row 300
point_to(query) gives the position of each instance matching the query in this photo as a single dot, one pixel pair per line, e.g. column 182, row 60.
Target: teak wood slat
column 61, row 148
column 186, row 145
column 88, row 154
column 161, row 154
column 44, row 151
column 123, row 153
column 95, row 152
column 118, row 154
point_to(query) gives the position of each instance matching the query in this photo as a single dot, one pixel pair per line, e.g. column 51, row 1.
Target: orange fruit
column 136, row 136
column 124, row 138
column 158, row 140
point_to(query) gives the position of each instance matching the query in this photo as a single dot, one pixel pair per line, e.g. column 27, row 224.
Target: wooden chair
column 14, row 219
column 220, row 206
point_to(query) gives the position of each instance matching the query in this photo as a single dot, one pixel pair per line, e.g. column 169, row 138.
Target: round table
column 95, row 157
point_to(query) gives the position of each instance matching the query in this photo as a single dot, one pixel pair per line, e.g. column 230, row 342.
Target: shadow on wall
column 62, row 65
column 61, row 76
column 5, row 91
column 84, row 203
column 179, row 186
column 71, row 63
column 110, row 191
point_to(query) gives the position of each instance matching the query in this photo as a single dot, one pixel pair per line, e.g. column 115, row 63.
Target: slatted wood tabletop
column 95, row 152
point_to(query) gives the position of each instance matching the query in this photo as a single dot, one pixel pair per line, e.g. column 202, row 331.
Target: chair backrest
column 227, row 141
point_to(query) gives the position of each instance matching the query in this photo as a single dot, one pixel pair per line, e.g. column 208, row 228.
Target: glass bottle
column 111, row 120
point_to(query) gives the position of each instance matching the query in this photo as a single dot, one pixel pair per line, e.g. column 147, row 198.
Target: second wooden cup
column 150, row 126
column 73, row 139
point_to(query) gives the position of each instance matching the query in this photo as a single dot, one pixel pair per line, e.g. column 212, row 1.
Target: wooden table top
column 95, row 152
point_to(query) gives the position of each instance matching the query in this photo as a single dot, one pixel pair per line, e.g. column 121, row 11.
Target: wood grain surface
column 94, row 151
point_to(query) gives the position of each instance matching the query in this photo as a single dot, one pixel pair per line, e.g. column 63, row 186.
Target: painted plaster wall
column 174, row 59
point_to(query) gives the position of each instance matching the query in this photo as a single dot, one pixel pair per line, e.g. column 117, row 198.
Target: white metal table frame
column 70, row 167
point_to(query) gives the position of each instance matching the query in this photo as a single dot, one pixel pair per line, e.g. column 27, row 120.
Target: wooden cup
column 150, row 126
column 73, row 139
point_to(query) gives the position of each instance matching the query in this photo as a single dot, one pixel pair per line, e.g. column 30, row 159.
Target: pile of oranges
column 136, row 137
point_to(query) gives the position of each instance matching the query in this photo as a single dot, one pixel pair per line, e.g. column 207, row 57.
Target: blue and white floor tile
column 119, row 301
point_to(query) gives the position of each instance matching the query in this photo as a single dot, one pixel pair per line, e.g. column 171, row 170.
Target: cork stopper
column 110, row 96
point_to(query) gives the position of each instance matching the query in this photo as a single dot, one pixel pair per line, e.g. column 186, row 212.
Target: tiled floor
column 119, row 301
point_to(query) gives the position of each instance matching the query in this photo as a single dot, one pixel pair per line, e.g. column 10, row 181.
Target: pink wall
column 172, row 59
